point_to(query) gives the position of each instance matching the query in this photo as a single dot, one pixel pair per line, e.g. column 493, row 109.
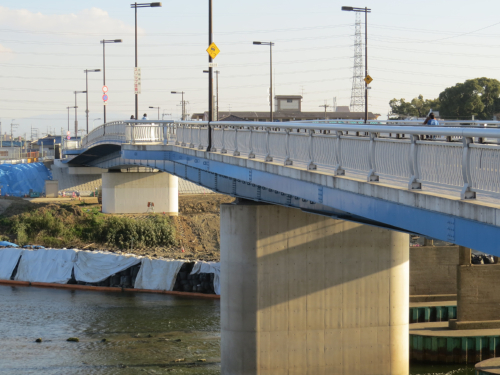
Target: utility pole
column 325, row 106
column 217, row 93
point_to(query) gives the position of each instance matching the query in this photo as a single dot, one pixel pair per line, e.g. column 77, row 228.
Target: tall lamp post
column 76, row 114
column 135, row 6
column 364, row 10
column 158, row 108
column 87, row 71
column 216, row 92
column 104, row 42
column 183, row 105
column 270, row 44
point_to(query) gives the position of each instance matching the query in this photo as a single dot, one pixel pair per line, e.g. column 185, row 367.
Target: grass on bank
column 69, row 225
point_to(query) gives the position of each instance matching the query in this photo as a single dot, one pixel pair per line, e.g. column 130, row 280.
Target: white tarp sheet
column 46, row 265
column 209, row 267
column 95, row 266
column 8, row 261
column 158, row 274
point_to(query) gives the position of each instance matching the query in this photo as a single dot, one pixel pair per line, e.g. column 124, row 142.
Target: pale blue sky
column 414, row 48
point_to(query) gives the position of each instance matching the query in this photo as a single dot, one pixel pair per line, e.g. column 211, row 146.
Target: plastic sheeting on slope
column 209, row 267
column 8, row 261
column 95, row 266
column 46, row 266
column 6, row 243
column 17, row 179
column 158, row 274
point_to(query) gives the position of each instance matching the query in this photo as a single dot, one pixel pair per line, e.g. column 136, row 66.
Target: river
column 144, row 334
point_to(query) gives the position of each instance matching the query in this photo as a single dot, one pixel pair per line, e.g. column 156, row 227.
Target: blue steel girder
column 258, row 185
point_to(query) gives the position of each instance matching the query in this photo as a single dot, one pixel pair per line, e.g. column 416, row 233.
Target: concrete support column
column 304, row 294
column 130, row 192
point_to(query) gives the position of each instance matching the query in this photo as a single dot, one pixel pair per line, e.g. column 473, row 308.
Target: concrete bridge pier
column 133, row 192
column 306, row 294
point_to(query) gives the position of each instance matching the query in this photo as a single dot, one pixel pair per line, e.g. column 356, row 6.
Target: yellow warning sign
column 368, row 79
column 213, row 50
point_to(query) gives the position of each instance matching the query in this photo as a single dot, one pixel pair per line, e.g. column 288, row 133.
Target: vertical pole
column 366, row 64
column 136, row 95
column 76, row 118
column 182, row 105
column 68, row 118
column 104, row 72
column 271, row 81
column 217, row 93
column 87, row 98
column 158, row 113
column 210, row 77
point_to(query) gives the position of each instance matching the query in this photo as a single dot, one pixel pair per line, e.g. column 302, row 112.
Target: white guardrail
column 463, row 155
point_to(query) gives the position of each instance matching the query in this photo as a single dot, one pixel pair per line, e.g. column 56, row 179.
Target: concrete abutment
column 133, row 192
column 306, row 294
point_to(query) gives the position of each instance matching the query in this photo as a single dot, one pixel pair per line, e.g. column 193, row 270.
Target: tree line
column 479, row 97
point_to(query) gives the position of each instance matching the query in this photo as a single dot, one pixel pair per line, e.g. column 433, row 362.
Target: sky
column 413, row 48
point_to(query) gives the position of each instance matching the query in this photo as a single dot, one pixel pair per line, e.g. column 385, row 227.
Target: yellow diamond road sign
column 368, row 79
column 213, row 50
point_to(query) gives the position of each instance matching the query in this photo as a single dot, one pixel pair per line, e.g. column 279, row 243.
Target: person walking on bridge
column 145, row 117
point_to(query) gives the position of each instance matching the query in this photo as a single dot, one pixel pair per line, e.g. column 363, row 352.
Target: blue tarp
column 6, row 244
column 17, row 179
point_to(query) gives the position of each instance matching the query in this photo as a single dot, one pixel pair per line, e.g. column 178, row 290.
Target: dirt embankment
column 197, row 228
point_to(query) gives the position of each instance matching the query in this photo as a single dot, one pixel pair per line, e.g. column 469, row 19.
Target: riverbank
column 195, row 232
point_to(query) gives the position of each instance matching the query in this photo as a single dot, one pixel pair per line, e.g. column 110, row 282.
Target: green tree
column 418, row 107
column 477, row 97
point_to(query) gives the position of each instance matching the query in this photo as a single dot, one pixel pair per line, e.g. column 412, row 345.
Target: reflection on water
column 144, row 333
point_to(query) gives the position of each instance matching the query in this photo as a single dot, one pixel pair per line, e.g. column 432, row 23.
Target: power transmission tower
column 325, row 106
column 358, row 84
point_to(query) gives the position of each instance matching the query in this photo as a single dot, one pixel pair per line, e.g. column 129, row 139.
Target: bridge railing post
column 165, row 134
column 372, row 176
column 414, row 184
column 251, row 154
column 288, row 161
column 191, row 144
column 223, row 148
column 337, row 169
column 236, row 152
column 311, row 165
column 269, row 158
column 467, row 192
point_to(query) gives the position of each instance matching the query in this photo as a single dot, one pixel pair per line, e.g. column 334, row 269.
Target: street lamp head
column 258, row 43
column 155, row 5
column 173, row 92
column 348, row 9
column 117, row 41
column 206, row 71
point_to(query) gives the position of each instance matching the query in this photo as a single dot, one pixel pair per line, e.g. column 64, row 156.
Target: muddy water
column 144, row 333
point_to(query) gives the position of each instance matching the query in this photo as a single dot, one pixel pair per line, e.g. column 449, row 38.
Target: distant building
column 289, row 108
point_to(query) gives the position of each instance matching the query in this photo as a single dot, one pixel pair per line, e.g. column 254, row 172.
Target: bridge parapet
column 398, row 153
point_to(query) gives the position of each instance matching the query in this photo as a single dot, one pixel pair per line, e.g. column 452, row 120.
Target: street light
column 270, row 44
column 158, row 111
column 183, row 106
column 87, row 71
column 104, row 41
column 135, row 6
column 93, row 122
column 76, row 114
column 364, row 10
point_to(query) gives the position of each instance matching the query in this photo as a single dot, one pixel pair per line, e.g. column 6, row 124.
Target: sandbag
column 209, row 267
column 95, row 266
column 46, row 265
column 158, row 274
column 8, row 261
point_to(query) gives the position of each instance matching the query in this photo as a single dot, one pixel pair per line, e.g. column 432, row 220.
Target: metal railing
column 456, row 156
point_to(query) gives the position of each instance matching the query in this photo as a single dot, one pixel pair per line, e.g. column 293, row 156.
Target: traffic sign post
column 213, row 50
column 368, row 79
column 105, row 97
column 105, row 89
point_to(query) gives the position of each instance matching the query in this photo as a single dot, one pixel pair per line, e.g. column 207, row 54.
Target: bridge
column 314, row 258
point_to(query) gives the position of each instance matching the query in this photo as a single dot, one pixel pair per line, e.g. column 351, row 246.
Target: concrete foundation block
column 305, row 294
column 133, row 192
column 51, row 188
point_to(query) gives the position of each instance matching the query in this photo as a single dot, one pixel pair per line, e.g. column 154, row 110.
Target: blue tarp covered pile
column 17, row 179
